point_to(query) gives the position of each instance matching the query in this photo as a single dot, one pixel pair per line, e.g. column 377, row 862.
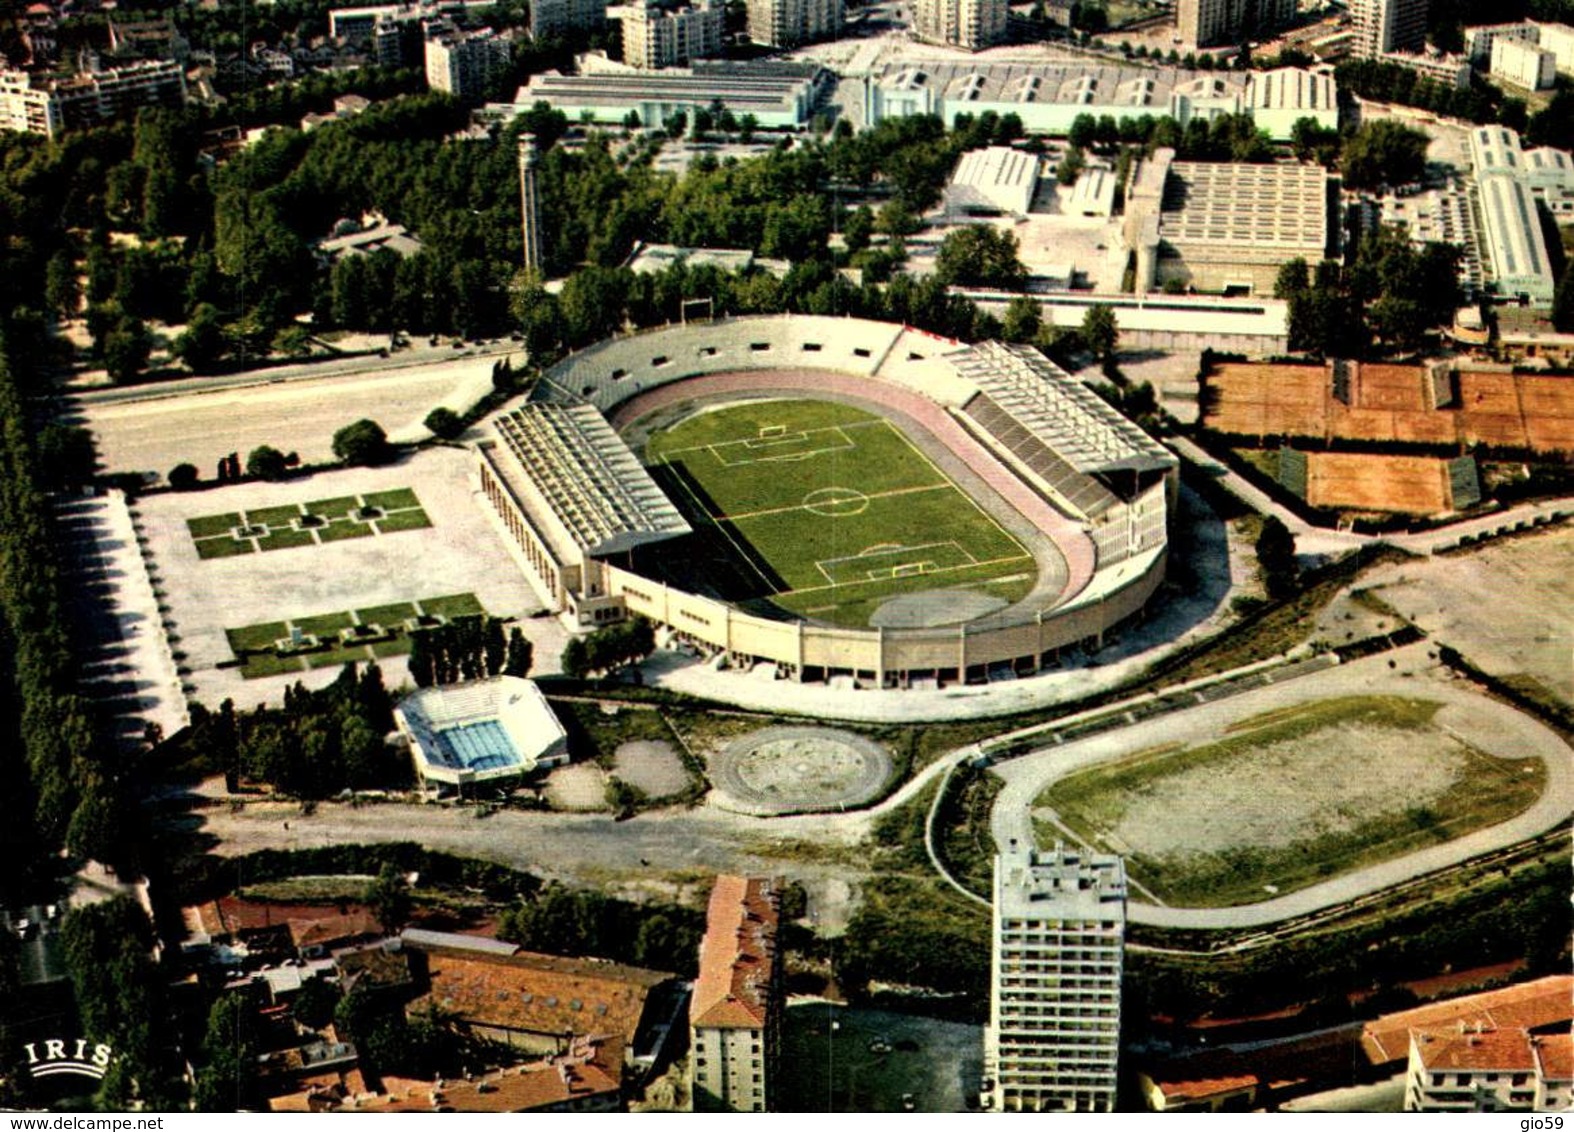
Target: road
column 1027, row 777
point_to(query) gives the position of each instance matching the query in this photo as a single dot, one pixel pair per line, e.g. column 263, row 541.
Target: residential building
column 38, row 104
column 552, row 19
column 787, row 23
column 1053, row 1038
column 1523, row 64
column 1541, row 1006
column 1479, row 40
column 1450, row 70
column 540, row 1004
column 1472, row 1068
column 1558, row 39
column 735, row 1013
column 655, row 36
column 1214, row 23
column 1383, row 26
column 464, row 63
column 973, row 24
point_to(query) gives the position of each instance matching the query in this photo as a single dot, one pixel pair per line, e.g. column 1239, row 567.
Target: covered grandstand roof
column 1079, row 425
column 594, row 485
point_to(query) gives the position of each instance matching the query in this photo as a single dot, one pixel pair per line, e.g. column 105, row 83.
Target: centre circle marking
column 836, row 502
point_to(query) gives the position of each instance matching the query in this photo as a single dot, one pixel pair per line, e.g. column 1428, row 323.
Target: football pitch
column 831, row 510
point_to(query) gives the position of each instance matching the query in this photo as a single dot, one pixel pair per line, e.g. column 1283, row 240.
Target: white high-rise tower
column 1053, row 1038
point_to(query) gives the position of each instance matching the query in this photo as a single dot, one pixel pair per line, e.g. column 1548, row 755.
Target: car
column 880, row 1045
column 909, row 1102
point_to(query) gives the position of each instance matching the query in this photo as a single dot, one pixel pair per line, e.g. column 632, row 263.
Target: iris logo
column 67, row 1056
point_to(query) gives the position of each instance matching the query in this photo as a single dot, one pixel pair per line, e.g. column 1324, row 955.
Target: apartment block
column 972, row 24
column 1382, row 26
column 463, row 63
column 736, row 1011
column 787, row 23
column 1053, row 1039
column 654, row 36
column 1215, row 23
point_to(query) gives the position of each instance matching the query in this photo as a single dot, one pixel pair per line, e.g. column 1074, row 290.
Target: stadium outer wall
column 612, row 372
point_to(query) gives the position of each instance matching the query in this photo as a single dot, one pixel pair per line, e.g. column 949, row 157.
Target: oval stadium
column 832, row 497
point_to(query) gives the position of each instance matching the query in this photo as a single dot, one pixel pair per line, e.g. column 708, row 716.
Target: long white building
column 1053, row 1040
column 1514, row 250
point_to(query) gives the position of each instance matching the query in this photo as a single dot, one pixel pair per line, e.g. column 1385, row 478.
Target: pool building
column 480, row 732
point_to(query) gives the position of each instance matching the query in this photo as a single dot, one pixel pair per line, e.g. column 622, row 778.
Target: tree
column 363, row 443
column 444, row 423
column 1383, row 152
column 388, row 897
column 65, row 454
column 520, row 654
column 1023, row 320
column 1276, row 557
column 857, row 229
column 184, row 477
column 1070, row 167
column 267, row 463
column 1100, row 331
column 126, row 348
column 575, row 660
column 1294, row 278
column 228, row 1082
column 980, row 256
column 1563, row 303
column 62, row 292
column 202, row 343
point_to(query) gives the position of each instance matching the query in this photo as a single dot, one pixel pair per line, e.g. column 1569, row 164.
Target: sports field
column 1290, row 797
column 830, row 510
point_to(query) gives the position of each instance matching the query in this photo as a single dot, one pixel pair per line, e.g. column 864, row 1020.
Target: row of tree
column 603, row 650
column 467, row 648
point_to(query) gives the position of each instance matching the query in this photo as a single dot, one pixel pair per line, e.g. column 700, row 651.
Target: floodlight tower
column 530, row 221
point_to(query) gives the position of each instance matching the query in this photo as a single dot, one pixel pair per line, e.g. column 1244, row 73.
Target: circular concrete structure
column 795, row 770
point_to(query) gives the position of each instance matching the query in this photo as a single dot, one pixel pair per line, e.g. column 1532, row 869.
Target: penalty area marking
column 835, row 502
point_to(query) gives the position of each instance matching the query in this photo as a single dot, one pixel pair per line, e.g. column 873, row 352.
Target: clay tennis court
column 1390, row 402
column 1414, row 485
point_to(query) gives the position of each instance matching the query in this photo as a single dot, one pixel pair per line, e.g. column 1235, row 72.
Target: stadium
column 832, row 497
column 480, row 732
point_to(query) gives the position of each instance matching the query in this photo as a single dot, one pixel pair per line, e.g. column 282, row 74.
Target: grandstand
column 480, row 732
column 1095, row 487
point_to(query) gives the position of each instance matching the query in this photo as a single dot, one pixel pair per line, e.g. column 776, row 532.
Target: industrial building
column 788, row 23
column 656, row 36
column 1514, row 250
column 995, row 181
column 735, row 1011
column 1049, row 97
column 1053, row 1039
column 1384, row 26
column 972, row 24
column 780, row 96
column 1222, row 227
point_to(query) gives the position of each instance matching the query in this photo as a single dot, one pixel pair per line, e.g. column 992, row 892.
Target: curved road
column 1500, row 730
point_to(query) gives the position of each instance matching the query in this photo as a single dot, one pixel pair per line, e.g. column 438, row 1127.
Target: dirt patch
column 1281, row 794
column 581, row 786
column 651, row 765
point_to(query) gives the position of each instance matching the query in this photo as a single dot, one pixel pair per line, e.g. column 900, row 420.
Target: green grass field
column 401, row 511
column 831, row 509
column 1256, row 777
column 254, row 644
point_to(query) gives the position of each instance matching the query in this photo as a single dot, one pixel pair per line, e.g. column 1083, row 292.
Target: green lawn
column 833, row 509
column 275, row 516
column 207, row 526
column 341, row 529
column 334, row 508
column 451, row 605
column 392, row 500
column 223, row 547
column 283, row 538
column 402, row 521
column 254, row 643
